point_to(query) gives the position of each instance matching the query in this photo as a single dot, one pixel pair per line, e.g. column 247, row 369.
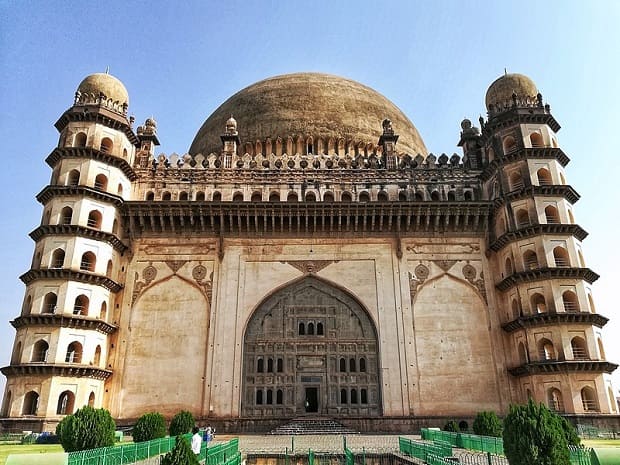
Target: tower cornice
column 524, row 153
column 97, row 114
column 541, row 274
column 71, row 275
column 64, row 321
column 51, row 191
column 81, row 231
column 554, row 229
column 548, row 318
column 91, row 153
column 68, row 370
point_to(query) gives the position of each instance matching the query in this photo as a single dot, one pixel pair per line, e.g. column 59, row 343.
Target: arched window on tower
column 217, row 197
column 119, row 190
column 74, row 353
column 97, row 358
column 362, row 365
column 65, row 403
column 91, row 399
column 101, row 182
column 328, row 197
column 551, row 215
column 106, row 145
column 354, row 396
column 536, row 139
column 237, row 197
column 73, row 178
column 382, row 196
column 260, row 365
column 364, row 197
column 554, row 400
column 302, row 329
column 66, row 214
column 259, row 397
column 319, row 329
column 530, row 260
column 103, row 312
column 200, row 197
column 58, row 258
column 343, row 396
column 274, row 196
column 588, row 399
column 292, row 197
column 80, row 140
column 279, row 397
column 538, row 303
column 418, row 196
column 544, row 177
column 343, row 365
column 352, row 365
column 310, row 197
column 31, row 403
column 49, row 303
column 570, row 301
column 183, row 196
column 509, row 144
column 16, row 356
column 523, row 357
column 516, row 311
column 256, row 197
column 523, row 218
column 311, row 329
column 579, row 348
column 508, row 267
column 150, row 196
column 435, row 197
column 109, row 268
column 88, row 262
column 80, row 307
column 94, row 219
column 166, row 196
column 346, row 197
column 546, row 351
column 560, row 256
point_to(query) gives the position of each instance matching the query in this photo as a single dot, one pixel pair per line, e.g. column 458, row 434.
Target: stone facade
column 307, row 266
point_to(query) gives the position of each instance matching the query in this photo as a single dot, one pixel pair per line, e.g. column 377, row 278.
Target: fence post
column 292, row 444
column 489, row 458
column 344, row 442
column 363, row 456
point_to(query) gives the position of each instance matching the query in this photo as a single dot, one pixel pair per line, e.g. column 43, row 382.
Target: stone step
column 299, row 426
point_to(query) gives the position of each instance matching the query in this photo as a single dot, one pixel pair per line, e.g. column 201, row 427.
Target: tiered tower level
column 307, row 256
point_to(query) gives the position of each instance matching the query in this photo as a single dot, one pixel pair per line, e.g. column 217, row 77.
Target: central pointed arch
column 294, row 345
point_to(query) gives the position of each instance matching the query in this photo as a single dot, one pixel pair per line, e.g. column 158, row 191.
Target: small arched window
column 402, row 196
column 217, row 197
column 536, row 140
column 91, row 399
column 94, row 219
column 103, row 312
column 508, row 266
column 546, row 351
column 80, row 307
column 530, row 260
column 538, row 303
column 74, row 353
column 274, row 197
column 560, row 256
column 80, row 140
column 302, row 329
column 65, row 403
column 17, row 353
column 256, row 197
column 352, row 365
column 468, row 195
column 579, row 348
column 183, row 196
column 382, row 196
column 319, row 329
column 363, row 396
column 97, row 358
column 269, row 397
column 58, row 258
column 106, row 145
column 27, row 308
column 6, row 406
column 279, row 397
column 150, row 196
column 346, row 197
column 523, row 357
column 418, row 196
column 166, row 196
column 588, row 399
column 101, row 182
column 354, row 396
column 73, row 179
column 259, row 397
column 554, row 400
column 49, row 303
column 343, row 365
column 451, row 196
column 237, row 197
column 66, row 214
column 551, row 215
column 311, row 329
column 310, row 197
column 544, row 177
column 31, row 403
column 88, row 262
column 435, row 196
column 269, row 365
column 109, row 268
column 292, row 197
column 280, row 365
column 328, row 197
column 523, row 218
column 362, row 365
column 343, row 396
column 509, row 144
column 364, row 197
column 516, row 181
column 570, row 302
column 200, row 197
column 260, row 365
column 516, row 311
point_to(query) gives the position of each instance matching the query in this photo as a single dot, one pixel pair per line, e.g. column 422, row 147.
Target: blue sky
column 434, row 60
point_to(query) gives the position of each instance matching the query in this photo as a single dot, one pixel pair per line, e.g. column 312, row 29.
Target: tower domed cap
column 503, row 87
column 106, row 84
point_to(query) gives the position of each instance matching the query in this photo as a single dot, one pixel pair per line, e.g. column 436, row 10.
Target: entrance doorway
column 312, row 400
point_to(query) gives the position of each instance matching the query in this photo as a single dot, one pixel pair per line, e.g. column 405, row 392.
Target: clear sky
column 433, row 59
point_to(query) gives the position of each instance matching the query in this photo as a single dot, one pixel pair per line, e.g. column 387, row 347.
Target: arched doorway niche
column 294, row 343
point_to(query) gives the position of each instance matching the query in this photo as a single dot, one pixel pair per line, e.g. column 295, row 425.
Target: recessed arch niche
column 310, row 379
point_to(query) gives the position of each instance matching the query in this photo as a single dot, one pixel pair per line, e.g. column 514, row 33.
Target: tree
column 181, row 454
column 452, row 426
column 87, row 428
column 149, row 426
column 570, row 433
column 488, row 424
column 181, row 423
column 533, row 435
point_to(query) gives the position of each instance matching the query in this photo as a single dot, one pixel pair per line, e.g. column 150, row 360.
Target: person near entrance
column 307, row 405
column 196, row 441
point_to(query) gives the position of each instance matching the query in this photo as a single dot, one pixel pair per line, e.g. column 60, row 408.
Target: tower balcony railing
column 580, row 353
column 562, row 262
column 590, row 405
column 571, row 307
column 556, row 406
column 553, row 219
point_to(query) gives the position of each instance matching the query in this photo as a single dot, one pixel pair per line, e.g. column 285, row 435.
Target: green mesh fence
column 466, row 441
column 580, row 455
column 421, row 450
column 349, row 457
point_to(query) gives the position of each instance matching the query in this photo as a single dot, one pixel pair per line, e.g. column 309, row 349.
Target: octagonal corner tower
column 308, row 105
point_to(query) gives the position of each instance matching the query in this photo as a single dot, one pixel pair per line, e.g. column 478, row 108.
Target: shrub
column 181, row 423
column 87, row 428
column 533, row 435
column 47, row 438
column 488, row 424
column 181, row 454
column 570, row 433
column 453, row 426
column 149, row 426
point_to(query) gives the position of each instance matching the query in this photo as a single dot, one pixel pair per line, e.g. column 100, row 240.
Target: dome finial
column 107, row 69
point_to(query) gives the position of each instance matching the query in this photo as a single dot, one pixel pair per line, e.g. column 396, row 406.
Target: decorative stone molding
column 310, row 266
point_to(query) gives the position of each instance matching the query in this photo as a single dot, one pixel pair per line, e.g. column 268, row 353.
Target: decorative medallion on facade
column 310, row 266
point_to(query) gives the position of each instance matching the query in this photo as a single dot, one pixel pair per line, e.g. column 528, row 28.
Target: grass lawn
column 8, row 449
column 601, row 442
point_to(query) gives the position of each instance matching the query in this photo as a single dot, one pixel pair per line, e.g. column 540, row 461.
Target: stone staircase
column 312, row 425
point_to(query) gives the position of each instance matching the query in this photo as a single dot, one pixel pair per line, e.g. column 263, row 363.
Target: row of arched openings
column 546, row 350
column 64, row 406
column 88, row 262
column 589, row 401
column 266, row 397
column 311, row 196
column 308, row 328
column 40, row 351
column 561, row 259
column 267, row 365
column 350, row 396
column 106, row 145
column 81, row 305
column 538, row 304
column 100, row 183
column 352, row 366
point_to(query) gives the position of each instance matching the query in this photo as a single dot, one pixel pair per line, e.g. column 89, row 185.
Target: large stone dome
column 107, row 84
column 308, row 104
column 501, row 90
